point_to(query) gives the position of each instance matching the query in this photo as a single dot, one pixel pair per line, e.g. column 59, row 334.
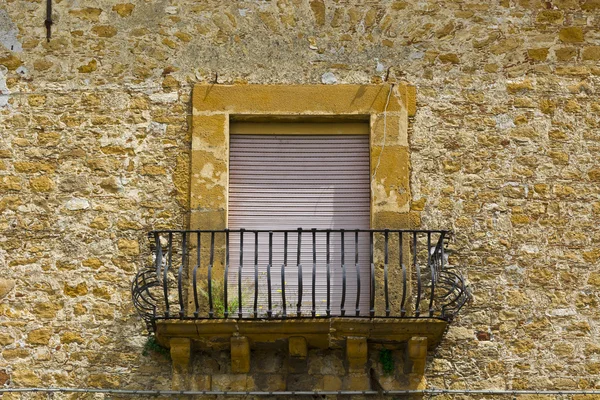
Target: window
column 285, row 176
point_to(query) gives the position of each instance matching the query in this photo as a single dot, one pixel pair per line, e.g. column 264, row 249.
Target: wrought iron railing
column 317, row 273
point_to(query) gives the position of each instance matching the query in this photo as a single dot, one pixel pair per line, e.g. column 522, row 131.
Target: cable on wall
column 431, row 392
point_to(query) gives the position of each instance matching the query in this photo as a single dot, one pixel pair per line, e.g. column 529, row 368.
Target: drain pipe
column 432, row 392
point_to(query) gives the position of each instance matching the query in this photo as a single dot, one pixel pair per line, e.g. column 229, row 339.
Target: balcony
column 324, row 285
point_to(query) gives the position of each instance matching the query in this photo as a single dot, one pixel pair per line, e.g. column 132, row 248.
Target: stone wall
column 94, row 152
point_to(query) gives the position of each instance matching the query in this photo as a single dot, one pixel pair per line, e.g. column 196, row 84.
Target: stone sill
column 318, row 332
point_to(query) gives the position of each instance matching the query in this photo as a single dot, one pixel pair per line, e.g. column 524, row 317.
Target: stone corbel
column 240, row 355
column 298, row 352
column 417, row 353
column 181, row 351
column 356, row 353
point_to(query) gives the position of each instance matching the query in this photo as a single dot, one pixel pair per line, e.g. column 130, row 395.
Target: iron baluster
column 432, row 268
column 210, row 267
column 195, row 276
column 165, row 276
column 256, row 274
column 270, row 308
column 343, row 311
column 314, row 271
column 180, row 273
column 415, row 263
column 357, row 266
column 283, row 267
column 226, row 276
column 404, row 277
column 240, row 273
column 385, row 272
column 299, row 264
column 328, row 274
column 442, row 259
column 159, row 254
column 372, row 297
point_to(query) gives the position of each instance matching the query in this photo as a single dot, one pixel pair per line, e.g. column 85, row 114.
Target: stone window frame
column 387, row 107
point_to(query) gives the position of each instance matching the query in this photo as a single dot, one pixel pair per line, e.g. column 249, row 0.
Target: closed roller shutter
column 303, row 181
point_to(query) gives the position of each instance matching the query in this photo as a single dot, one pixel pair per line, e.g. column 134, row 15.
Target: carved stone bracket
column 356, row 353
column 181, row 350
column 417, row 353
column 240, row 355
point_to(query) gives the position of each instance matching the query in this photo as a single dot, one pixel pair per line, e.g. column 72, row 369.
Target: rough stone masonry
column 504, row 148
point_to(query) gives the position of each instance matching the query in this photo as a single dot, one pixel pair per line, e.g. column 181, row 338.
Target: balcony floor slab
column 318, row 332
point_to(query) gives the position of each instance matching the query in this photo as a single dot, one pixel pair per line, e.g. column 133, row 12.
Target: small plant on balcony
column 218, row 303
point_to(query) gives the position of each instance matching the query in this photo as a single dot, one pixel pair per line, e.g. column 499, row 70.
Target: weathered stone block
column 41, row 184
column 89, row 13
column 128, row 247
column 46, row 309
column 208, row 220
column 232, row 382
column 19, row 352
column 106, row 31
column 390, row 184
column 326, row 362
column 6, row 339
column 201, row 382
column 591, row 53
column 4, row 377
column 356, row 381
column 71, row 337
column 89, row 67
column 123, row 9
column 392, row 126
column 550, row 17
column 573, row 34
column 11, row 61
column 302, row 382
column 297, row 365
column 332, row 382
column 208, row 181
column 393, row 220
column 79, row 289
column 270, row 382
column 39, row 336
column 26, row 378
column 6, row 285
column 210, row 132
column 267, row 360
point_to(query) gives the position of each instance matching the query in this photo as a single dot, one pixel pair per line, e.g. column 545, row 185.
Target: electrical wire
column 431, row 392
